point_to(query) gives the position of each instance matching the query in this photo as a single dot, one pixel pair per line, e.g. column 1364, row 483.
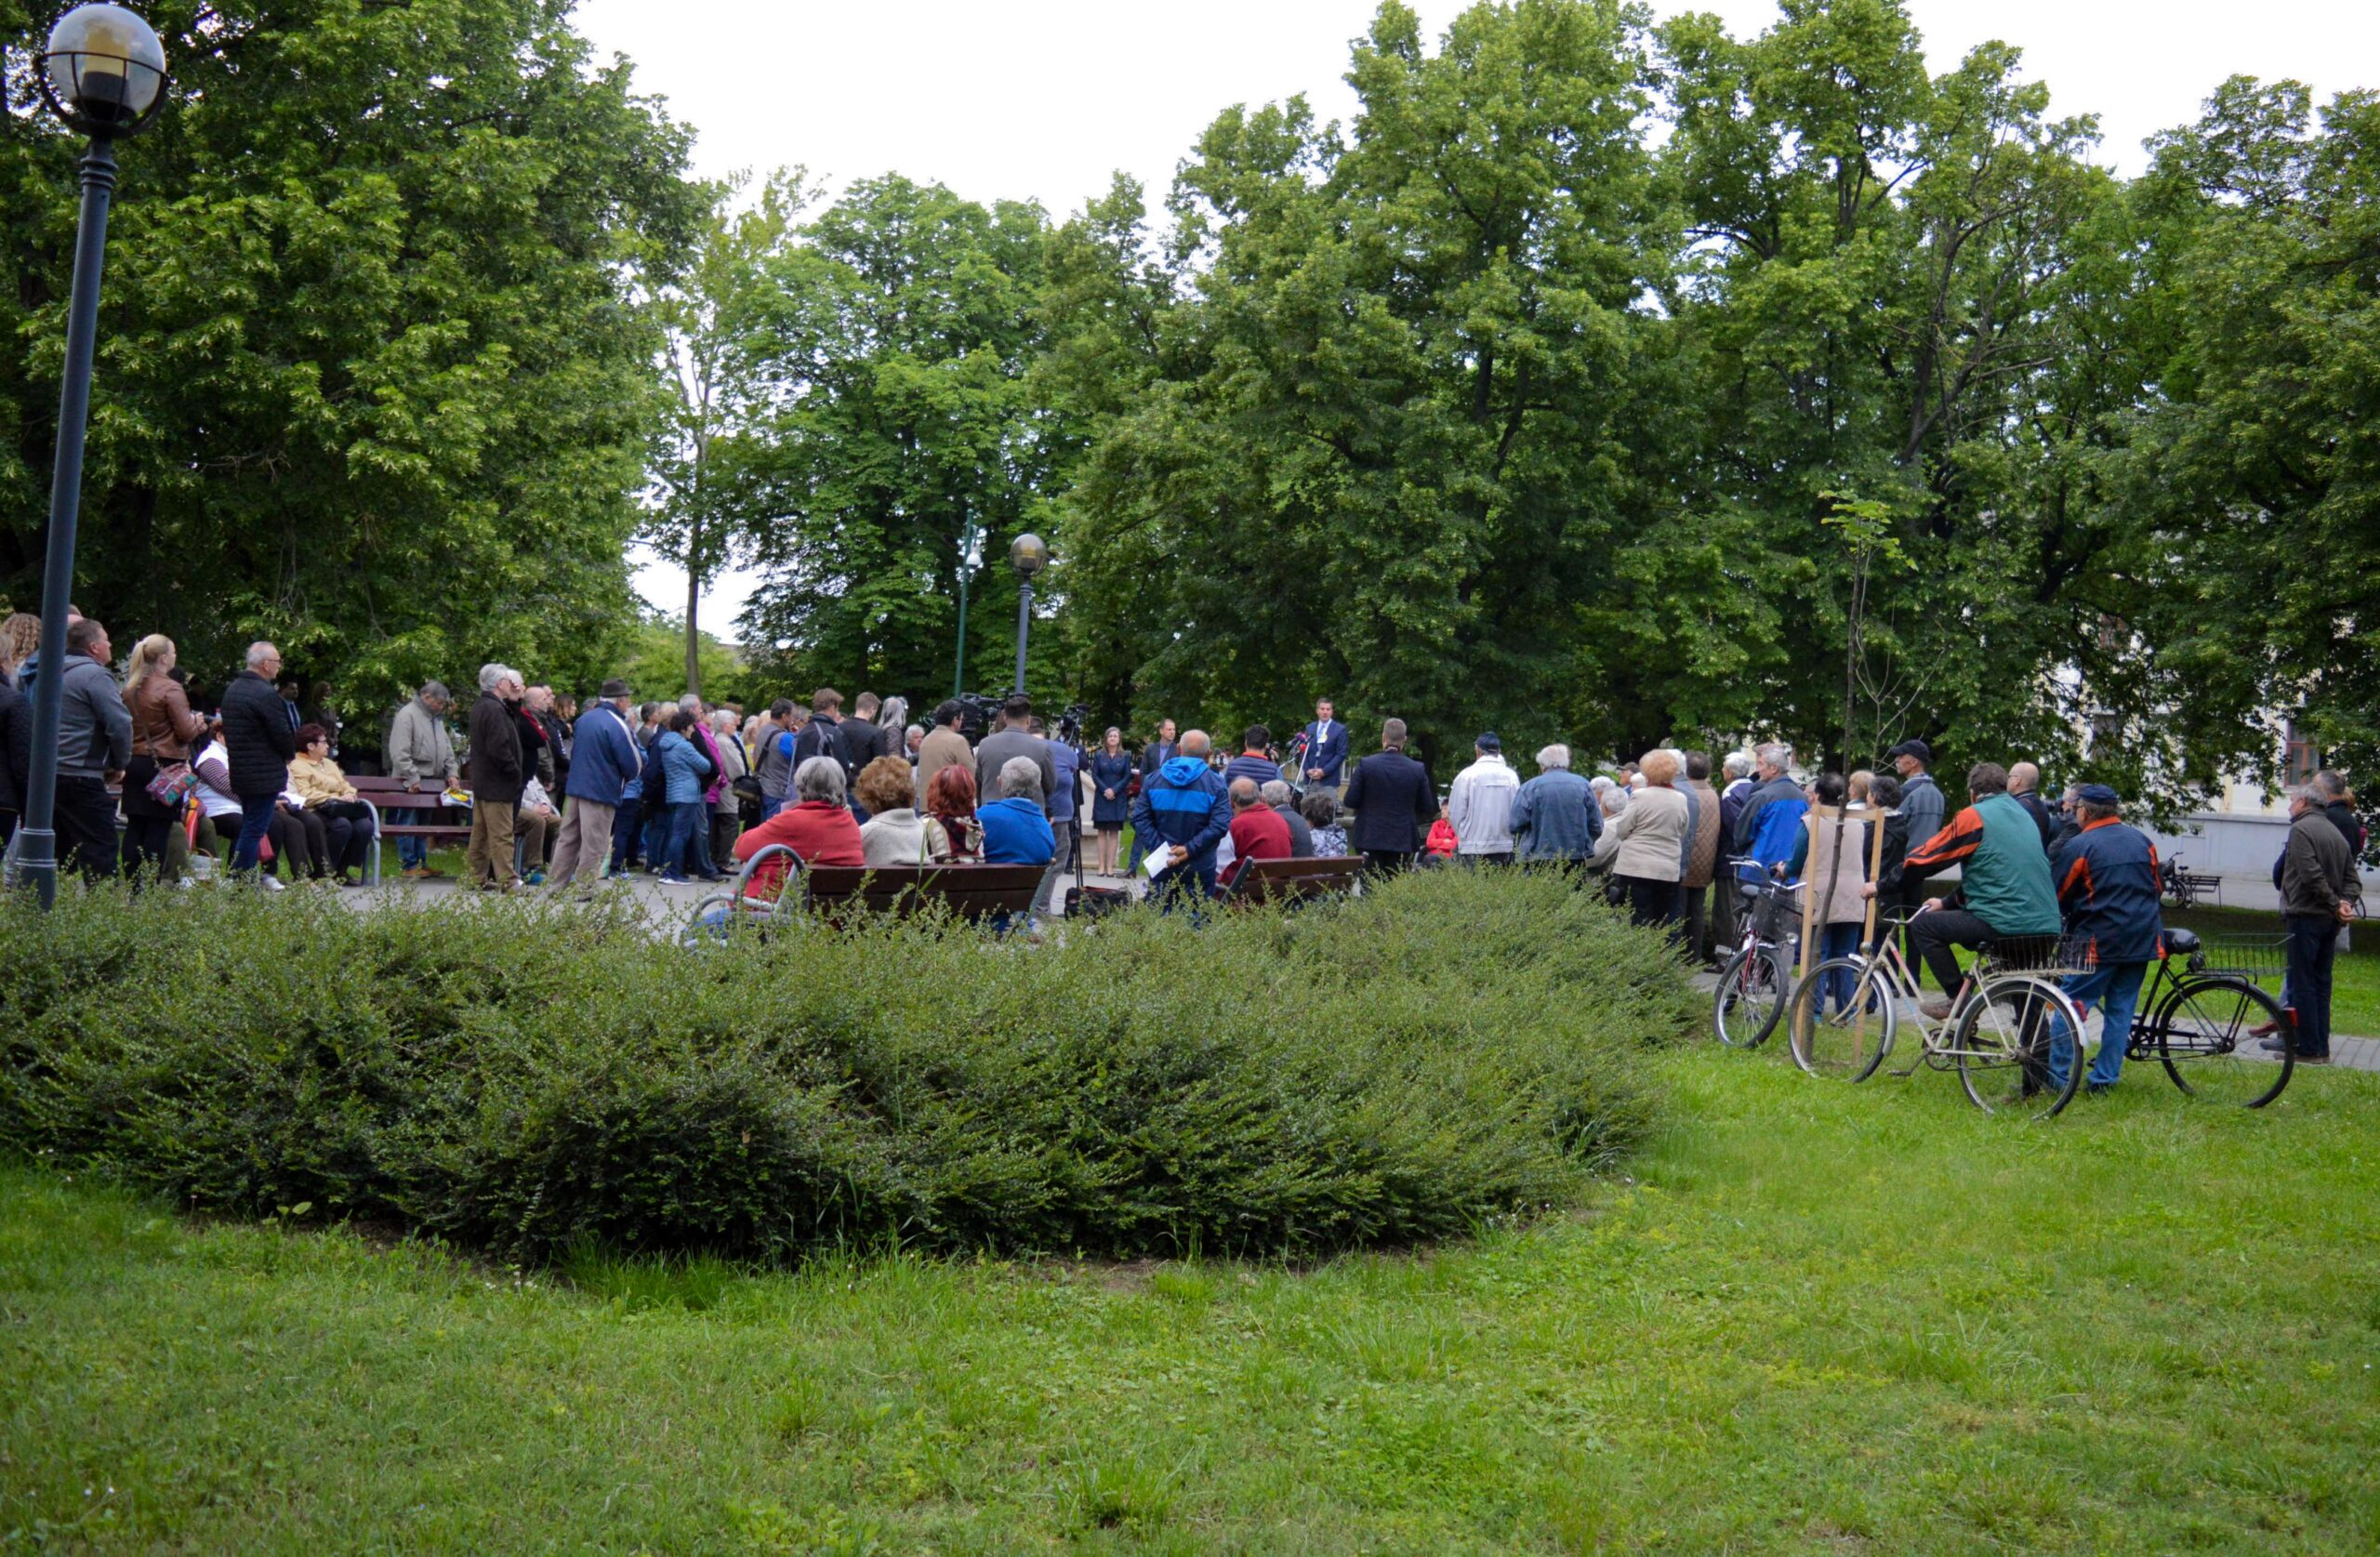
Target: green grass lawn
column 1820, row 1318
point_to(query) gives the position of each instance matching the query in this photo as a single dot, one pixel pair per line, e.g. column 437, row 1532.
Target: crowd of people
column 562, row 797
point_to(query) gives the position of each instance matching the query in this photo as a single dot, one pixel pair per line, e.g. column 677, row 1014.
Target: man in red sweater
column 1257, row 830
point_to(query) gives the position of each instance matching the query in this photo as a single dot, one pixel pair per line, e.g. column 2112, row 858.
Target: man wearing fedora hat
column 604, row 762
column 2106, row 889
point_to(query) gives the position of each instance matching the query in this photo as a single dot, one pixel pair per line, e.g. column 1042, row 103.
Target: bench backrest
column 972, row 892
column 1295, row 881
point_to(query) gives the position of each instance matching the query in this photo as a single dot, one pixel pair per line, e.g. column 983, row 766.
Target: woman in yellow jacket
column 316, row 781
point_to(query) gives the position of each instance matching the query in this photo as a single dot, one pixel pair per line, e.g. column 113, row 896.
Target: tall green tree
column 699, row 514
column 897, row 348
column 1393, row 405
column 2247, row 489
column 372, row 378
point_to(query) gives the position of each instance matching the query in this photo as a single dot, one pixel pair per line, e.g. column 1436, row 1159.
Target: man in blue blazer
column 1326, row 749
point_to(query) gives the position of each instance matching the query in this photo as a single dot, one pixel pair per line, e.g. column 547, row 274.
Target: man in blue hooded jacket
column 2107, row 887
column 1185, row 805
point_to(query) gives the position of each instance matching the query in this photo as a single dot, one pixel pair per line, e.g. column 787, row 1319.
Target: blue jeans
column 625, row 825
column 683, row 825
column 2115, row 988
column 1837, row 941
column 256, row 816
column 770, row 808
column 412, row 852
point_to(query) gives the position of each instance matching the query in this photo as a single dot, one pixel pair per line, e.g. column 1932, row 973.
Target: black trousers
column 1387, row 861
column 1693, row 911
column 1906, row 899
column 1932, row 936
column 2313, row 957
column 84, row 821
column 1649, row 901
column 347, row 828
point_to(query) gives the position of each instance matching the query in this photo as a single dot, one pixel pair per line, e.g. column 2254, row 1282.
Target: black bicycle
column 2207, row 1020
column 1757, row 981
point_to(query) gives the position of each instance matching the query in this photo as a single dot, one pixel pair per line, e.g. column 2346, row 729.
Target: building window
column 2299, row 758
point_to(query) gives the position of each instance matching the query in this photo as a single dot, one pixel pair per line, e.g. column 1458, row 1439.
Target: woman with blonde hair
column 162, row 730
column 1644, row 845
column 19, row 636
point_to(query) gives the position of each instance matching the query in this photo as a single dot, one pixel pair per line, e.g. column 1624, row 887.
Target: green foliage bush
column 1451, row 1050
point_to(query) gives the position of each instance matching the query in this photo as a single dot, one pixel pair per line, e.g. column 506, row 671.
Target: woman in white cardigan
column 1644, row 845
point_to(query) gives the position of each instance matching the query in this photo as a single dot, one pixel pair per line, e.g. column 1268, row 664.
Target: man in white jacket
column 1480, row 805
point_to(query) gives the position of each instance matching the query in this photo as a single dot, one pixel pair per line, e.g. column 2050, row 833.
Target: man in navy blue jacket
column 604, row 762
column 1183, row 805
column 1326, row 749
column 1393, row 803
column 2106, row 887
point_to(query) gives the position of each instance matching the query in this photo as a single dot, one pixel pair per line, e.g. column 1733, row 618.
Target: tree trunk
column 693, row 605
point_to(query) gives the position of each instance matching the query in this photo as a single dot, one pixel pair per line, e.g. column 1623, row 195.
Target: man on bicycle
column 2004, row 887
column 2108, row 884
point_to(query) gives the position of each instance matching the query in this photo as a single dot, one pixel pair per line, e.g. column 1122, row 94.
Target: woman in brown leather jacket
column 163, row 730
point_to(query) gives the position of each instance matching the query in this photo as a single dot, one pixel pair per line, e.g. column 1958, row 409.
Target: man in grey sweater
column 1014, row 738
column 94, row 743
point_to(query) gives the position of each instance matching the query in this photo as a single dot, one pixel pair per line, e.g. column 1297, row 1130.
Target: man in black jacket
column 259, row 741
column 1393, row 801
column 861, row 738
column 823, row 736
column 497, row 778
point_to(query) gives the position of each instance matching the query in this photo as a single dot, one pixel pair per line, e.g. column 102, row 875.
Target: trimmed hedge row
column 1453, row 1049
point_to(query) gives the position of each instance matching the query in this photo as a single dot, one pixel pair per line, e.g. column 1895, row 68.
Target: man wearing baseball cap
column 604, row 762
column 2106, row 889
column 1922, row 808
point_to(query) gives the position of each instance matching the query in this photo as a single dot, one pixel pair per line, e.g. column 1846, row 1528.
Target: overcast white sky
column 1044, row 100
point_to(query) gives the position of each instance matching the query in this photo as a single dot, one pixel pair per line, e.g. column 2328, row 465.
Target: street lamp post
column 1028, row 554
column 103, row 72
column 970, row 557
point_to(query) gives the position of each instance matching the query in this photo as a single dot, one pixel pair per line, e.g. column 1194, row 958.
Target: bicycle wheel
column 1750, row 997
column 2204, row 1033
column 2003, row 1045
column 1847, row 1044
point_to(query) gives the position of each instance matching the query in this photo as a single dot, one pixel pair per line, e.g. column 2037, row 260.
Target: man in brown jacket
column 496, row 778
column 1701, row 857
column 943, row 746
column 2319, row 891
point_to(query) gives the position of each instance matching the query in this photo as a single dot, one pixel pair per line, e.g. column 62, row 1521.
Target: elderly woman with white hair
column 1016, row 827
column 1644, row 847
column 819, row 827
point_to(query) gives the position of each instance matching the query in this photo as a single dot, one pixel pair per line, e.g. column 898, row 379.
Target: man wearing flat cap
column 2106, row 889
column 604, row 762
column 1480, row 804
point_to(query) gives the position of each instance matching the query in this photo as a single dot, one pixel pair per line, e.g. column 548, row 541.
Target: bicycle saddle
column 2181, row 942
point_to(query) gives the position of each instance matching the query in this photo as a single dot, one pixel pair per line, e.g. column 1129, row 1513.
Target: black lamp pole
column 103, row 72
column 1028, row 554
column 37, row 845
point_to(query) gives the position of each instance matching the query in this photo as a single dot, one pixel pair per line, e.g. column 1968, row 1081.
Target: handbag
column 171, row 784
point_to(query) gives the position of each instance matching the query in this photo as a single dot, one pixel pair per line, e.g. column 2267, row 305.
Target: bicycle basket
column 2258, row 958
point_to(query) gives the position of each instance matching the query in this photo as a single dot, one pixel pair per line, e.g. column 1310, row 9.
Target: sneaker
column 2313, row 1059
column 2263, row 1030
column 671, row 878
column 429, row 873
column 270, row 883
column 419, row 873
column 1935, row 1007
column 2276, row 1046
column 535, row 878
column 2098, row 1089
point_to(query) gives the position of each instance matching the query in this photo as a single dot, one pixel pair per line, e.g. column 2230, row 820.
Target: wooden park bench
column 1295, row 881
column 446, row 823
column 834, row 893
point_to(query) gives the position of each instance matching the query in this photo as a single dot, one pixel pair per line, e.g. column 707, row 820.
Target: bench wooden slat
column 1295, row 881
column 972, row 892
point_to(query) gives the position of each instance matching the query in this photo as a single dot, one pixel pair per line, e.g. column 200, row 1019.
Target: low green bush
column 1453, row 1049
